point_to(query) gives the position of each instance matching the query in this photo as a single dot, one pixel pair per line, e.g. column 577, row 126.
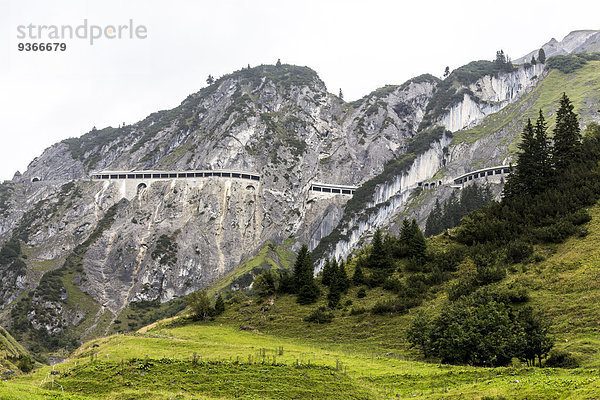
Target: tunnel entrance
column 35, row 179
column 141, row 187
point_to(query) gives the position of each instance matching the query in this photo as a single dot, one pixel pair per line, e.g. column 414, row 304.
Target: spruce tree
column 219, row 305
column 417, row 245
column 358, row 278
column 433, row 225
column 334, row 296
column 379, row 257
column 500, row 58
column 327, row 272
column 526, row 170
column 335, row 292
column 542, row 154
column 533, row 61
column 342, row 278
column 303, row 268
column 405, row 232
column 542, row 56
column 567, row 135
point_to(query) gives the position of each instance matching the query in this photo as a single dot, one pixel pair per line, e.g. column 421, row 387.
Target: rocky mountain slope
column 79, row 256
column 583, row 41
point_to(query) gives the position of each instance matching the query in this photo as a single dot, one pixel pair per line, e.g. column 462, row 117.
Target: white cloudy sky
column 354, row 45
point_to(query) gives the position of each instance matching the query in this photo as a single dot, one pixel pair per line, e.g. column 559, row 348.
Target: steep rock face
column 390, row 199
column 490, row 94
column 177, row 236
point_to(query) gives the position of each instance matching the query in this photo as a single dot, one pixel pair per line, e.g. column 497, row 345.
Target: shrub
column 517, row 251
column 561, row 359
column 25, row 364
column 361, row 293
column 394, row 285
column 265, row 284
column 384, row 307
column 319, row 316
column 199, row 303
column 358, row 310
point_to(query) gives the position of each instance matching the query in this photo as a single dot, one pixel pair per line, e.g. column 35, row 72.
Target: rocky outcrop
column 490, row 94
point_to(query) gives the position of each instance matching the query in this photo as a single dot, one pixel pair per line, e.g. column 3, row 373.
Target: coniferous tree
column 524, row 175
column 405, row 232
column 339, row 285
column 358, row 278
column 334, row 296
column 327, row 272
column 342, row 278
column 303, row 268
column 446, row 71
column 304, row 283
column 417, row 245
column 278, row 63
column 533, row 61
column 379, row 258
column 542, row 56
column 210, row 80
column 219, row 305
column 433, row 225
column 543, row 153
column 335, row 292
column 567, row 135
column 341, row 94
column 500, row 58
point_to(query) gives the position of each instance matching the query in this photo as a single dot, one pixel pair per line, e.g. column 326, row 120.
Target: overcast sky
column 354, row 45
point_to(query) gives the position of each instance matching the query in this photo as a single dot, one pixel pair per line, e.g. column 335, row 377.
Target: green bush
column 25, row 364
column 517, row 251
column 358, row 310
column 319, row 316
column 571, row 62
column 561, row 359
column 384, row 307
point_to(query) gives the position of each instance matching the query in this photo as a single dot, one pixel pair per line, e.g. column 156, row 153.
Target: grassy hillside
column 10, row 352
column 262, row 348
